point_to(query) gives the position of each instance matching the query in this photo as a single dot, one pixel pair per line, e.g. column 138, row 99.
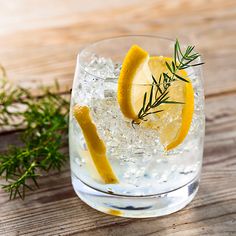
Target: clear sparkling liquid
column 135, row 154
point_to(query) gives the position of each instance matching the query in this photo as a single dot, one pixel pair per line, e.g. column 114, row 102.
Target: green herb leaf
column 44, row 121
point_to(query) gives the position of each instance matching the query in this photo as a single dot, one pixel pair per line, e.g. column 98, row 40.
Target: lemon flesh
column 175, row 120
column 95, row 145
column 135, row 80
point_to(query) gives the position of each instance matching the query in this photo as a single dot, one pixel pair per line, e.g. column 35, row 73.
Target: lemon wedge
column 95, row 144
column 135, row 80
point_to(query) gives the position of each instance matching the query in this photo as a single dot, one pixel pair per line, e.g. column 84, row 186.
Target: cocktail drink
column 137, row 126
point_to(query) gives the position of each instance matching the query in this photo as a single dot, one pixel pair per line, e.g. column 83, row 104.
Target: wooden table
column 39, row 41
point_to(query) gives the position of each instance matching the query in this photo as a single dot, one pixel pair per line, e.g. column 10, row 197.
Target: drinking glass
column 152, row 182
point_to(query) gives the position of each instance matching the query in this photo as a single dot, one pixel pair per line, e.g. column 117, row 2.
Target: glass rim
column 83, row 49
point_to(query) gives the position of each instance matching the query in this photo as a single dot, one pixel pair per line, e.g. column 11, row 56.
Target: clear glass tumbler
column 151, row 182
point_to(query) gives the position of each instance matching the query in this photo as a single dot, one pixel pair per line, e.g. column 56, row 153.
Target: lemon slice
column 95, row 144
column 135, row 80
column 174, row 121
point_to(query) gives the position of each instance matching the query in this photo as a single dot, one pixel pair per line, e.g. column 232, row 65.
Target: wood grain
column 213, row 211
column 35, row 55
column 39, row 41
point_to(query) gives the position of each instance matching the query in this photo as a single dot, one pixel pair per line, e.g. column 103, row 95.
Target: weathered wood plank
column 55, row 207
column 38, row 51
column 42, row 45
column 213, row 205
column 71, row 215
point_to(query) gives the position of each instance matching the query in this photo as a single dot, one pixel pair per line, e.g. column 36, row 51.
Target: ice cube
column 110, row 87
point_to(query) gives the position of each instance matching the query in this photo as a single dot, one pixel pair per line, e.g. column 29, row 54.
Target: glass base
column 137, row 207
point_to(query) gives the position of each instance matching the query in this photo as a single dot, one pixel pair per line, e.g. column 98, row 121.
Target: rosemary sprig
column 160, row 96
column 159, row 90
column 44, row 121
